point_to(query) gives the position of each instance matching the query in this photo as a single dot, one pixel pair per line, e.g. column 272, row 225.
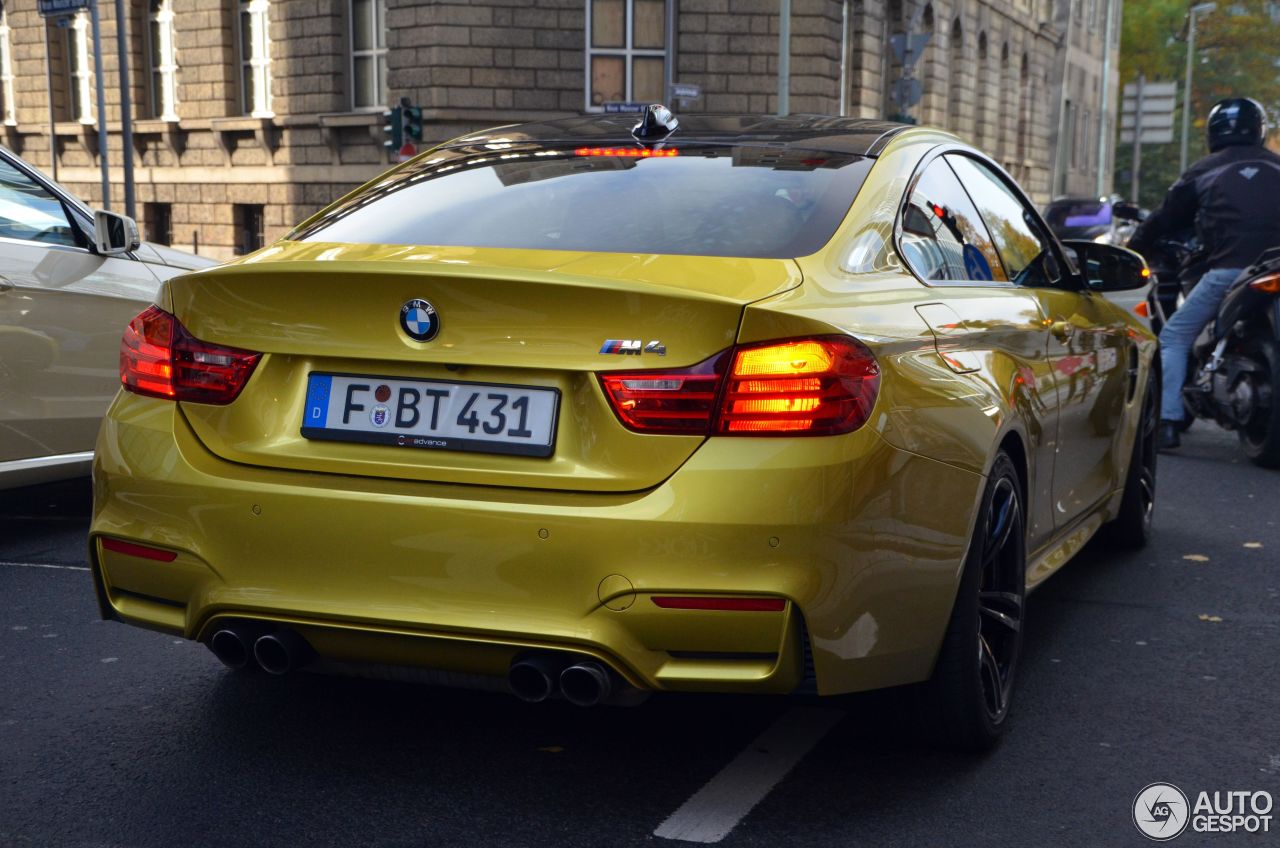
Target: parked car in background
column 70, row 280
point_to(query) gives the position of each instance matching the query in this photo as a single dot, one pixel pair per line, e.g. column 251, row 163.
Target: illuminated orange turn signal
column 1269, row 284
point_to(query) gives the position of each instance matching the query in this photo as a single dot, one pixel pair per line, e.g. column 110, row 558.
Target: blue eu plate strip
column 318, row 390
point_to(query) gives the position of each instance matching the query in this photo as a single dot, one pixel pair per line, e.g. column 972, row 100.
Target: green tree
column 1236, row 57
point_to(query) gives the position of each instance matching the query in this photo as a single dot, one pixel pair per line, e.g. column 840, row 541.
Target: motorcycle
column 1235, row 363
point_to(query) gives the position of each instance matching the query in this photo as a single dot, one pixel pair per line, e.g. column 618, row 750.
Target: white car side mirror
column 114, row 234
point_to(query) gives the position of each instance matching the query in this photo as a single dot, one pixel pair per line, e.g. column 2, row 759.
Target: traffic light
column 412, row 119
column 393, row 129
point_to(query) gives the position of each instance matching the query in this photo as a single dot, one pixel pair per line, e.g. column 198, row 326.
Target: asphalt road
column 114, row 736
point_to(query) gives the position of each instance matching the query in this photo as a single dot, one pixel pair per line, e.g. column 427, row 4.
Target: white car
column 70, row 280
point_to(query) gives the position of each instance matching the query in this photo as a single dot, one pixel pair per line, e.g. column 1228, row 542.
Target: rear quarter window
column 709, row 200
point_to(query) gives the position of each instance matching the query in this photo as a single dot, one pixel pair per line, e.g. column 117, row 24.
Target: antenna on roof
column 656, row 122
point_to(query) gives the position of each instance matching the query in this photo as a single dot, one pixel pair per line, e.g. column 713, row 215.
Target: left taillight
column 159, row 358
column 820, row 386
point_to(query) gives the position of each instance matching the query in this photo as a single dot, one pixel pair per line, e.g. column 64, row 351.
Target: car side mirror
column 114, row 234
column 1108, row 268
column 1126, row 212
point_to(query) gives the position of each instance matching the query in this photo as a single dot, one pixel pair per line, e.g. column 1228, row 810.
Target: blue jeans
column 1180, row 333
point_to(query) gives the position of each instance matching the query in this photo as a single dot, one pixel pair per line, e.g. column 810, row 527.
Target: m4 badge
column 632, row 347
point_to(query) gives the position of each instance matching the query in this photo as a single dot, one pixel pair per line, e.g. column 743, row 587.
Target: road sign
column 908, row 49
column 614, row 108
column 407, row 152
column 685, row 91
column 907, row 92
column 1157, row 102
column 58, row 8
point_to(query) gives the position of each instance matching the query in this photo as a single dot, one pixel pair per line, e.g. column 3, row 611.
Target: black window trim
column 928, row 159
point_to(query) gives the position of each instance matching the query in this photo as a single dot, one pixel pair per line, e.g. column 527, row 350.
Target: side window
column 30, row 213
column 1023, row 247
column 942, row 236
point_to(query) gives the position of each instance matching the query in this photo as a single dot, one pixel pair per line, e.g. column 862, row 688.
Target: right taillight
column 159, row 358
column 818, row 386
column 813, row 387
column 1269, row 284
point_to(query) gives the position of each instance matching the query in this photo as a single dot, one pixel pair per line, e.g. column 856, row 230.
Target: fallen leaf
column 1253, row 544
column 1215, row 618
column 555, row 749
column 1196, row 557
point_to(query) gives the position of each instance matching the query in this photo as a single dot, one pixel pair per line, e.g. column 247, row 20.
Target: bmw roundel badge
column 419, row 320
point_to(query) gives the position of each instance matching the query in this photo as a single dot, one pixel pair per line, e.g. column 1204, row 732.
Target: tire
column 965, row 705
column 1260, row 439
column 1131, row 528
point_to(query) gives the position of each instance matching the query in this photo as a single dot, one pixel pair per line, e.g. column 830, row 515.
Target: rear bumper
column 862, row 541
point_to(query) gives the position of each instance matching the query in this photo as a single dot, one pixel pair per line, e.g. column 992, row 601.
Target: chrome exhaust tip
column 586, row 684
column 533, row 678
column 282, row 652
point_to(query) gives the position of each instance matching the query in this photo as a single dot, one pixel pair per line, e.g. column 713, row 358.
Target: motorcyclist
column 1232, row 196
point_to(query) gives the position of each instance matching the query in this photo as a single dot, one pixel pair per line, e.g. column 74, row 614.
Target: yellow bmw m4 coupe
column 597, row 407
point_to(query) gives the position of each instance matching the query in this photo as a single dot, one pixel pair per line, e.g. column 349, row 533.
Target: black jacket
column 1233, row 199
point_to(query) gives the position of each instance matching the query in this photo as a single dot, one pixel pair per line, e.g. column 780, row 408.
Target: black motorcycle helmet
column 1236, row 120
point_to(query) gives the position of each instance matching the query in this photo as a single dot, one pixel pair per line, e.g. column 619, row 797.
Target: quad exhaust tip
column 586, row 684
column 534, row 678
column 231, row 648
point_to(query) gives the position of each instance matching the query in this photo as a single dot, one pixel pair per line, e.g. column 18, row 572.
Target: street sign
column 908, row 49
column 614, row 108
column 1157, row 102
column 907, row 92
column 685, row 91
column 58, row 8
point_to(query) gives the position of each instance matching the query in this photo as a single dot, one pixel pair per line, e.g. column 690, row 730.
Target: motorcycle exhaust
column 586, row 684
column 533, row 678
column 282, row 652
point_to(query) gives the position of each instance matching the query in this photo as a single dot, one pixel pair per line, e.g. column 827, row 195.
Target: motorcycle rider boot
column 1169, row 438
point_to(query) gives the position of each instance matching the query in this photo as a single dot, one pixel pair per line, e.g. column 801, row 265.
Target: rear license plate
column 432, row 414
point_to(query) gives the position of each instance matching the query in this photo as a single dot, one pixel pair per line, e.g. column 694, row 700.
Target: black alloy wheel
column 1131, row 528
column 966, row 703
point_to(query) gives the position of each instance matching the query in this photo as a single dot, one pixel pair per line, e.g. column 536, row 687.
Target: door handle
column 1062, row 330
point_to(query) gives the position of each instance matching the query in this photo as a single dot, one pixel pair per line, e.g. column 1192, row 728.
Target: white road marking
column 715, row 809
column 45, row 565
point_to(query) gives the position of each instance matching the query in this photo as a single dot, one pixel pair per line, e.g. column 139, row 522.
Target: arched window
column 981, row 117
column 955, row 75
column 928, row 72
column 163, row 59
column 368, row 54
column 1025, row 100
column 892, row 67
column 1004, row 127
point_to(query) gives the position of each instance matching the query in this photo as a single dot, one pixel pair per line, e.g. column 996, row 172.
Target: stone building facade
column 249, row 115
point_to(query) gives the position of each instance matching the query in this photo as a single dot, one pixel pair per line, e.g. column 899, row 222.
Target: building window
column 164, row 61
column 79, row 68
column 249, row 233
column 626, row 51
column 6, row 71
column 255, row 59
column 159, row 222
column 368, row 54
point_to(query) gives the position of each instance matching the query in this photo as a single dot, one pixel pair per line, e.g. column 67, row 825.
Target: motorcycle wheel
column 1261, row 438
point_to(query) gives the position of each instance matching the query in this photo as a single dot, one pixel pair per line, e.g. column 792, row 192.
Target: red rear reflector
column 1143, row 310
column 628, row 152
column 120, row 546
column 1269, row 284
column 159, row 358
column 728, row 604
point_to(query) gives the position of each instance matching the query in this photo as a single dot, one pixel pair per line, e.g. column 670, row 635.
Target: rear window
column 1078, row 213
column 706, row 200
